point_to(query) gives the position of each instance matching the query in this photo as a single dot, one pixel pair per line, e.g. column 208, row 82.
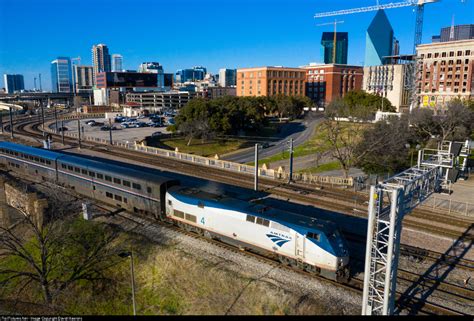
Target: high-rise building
column 325, row 82
column 271, row 81
column 195, row 74
column 227, row 77
column 389, row 81
column 447, row 72
column 379, row 40
column 117, row 62
column 61, row 75
column 100, row 59
column 455, row 33
column 154, row 68
column 13, row 83
column 327, row 47
column 84, row 80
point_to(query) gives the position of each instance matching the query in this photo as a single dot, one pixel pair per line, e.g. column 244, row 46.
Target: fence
column 213, row 162
column 455, row 207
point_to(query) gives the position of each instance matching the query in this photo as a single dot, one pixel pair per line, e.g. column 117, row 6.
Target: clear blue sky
column 185, row 33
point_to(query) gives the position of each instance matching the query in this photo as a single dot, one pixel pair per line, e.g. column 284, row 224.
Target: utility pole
column 41, row 88
column 62, row 131
column 42, row 118
column 291, row 161
column 110, row 131
column 1, row 120
column 79, row 131
column 256, row 168
column 11, row 122
column 55, row 118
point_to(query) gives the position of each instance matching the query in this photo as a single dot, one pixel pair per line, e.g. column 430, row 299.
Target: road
column 300, row 131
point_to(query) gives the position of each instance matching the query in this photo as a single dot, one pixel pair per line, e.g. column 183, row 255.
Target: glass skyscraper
column 61, row 75
column 117, row 62
column 13, row 83
column 227, row 77
column 195, row 74
column 100, row 59
column 327, row 43
column 379, row 40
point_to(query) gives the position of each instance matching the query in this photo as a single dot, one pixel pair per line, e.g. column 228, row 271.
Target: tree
column 357, row 99
column 382, row 148
column 52, row 256
column 454, row 123
column 342, row 137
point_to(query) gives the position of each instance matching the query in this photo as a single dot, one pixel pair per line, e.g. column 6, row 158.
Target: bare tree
column 343, row 138
column 52, row 255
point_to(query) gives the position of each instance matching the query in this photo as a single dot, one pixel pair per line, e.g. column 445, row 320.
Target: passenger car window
column 117, row 180
column 126, row 183
column 136, row 186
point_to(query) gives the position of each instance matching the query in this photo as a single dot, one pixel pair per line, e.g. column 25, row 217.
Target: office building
column 217, row 92
column 127, row 80
column 389, row 81
column 83, row 79
column 455, row 33
column 100, row 59
column 447, row 72
column 61, row 75
column 325, row 82
column 379, row 40
column 117, row 62
column 154, row 68
column 271, row 81
column 227, row 77
column 13, row 83
column 327, row 47
column 189, row 75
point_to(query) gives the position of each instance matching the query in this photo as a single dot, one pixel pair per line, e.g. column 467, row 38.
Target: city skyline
column 291, row 44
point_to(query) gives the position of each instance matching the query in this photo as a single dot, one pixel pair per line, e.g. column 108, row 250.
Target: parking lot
column 119, row 134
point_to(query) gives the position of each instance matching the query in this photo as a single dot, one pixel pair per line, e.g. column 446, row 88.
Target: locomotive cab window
column 250, row 218
column 263, row 221
column 314, row 236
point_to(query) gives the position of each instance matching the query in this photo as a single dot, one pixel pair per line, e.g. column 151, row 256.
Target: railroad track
column 354, row 285
column 347, row 202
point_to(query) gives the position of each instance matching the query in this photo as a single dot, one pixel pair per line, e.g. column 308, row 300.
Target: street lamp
column 130, row 255
column 417, row 147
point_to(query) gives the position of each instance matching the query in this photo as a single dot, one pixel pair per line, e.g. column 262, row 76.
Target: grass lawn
column 316, row 144
column 331, row 166
column 208, row 148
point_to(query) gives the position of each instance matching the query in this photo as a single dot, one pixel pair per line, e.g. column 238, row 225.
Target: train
column 305, row 242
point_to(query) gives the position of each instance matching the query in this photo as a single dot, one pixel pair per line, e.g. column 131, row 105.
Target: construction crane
column 74, row 73
column 420, row 6
column 335, row 40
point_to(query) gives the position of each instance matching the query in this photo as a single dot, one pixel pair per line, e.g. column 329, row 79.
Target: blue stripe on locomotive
column 283, row 219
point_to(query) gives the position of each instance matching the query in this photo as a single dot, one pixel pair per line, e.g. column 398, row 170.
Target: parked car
column 156, row 134
column 265, row 145
column 104, row 128
column 90, row 122
column 96, row 124
column 139, row 125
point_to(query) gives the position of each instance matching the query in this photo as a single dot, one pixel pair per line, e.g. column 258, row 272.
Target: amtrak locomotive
column 305, row 242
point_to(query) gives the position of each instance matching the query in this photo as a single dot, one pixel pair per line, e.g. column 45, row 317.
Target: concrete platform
column 460, row 201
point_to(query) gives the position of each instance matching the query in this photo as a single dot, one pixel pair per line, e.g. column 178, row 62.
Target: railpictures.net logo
column 33, row 318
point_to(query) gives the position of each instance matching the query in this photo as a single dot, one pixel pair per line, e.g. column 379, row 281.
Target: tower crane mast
column 335, row 37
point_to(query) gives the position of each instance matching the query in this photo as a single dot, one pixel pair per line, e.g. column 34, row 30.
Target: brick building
column 325, row 82
column 446, row 71
column 271, row 81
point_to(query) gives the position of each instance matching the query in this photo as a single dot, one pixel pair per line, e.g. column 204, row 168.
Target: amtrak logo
column 277, row 239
